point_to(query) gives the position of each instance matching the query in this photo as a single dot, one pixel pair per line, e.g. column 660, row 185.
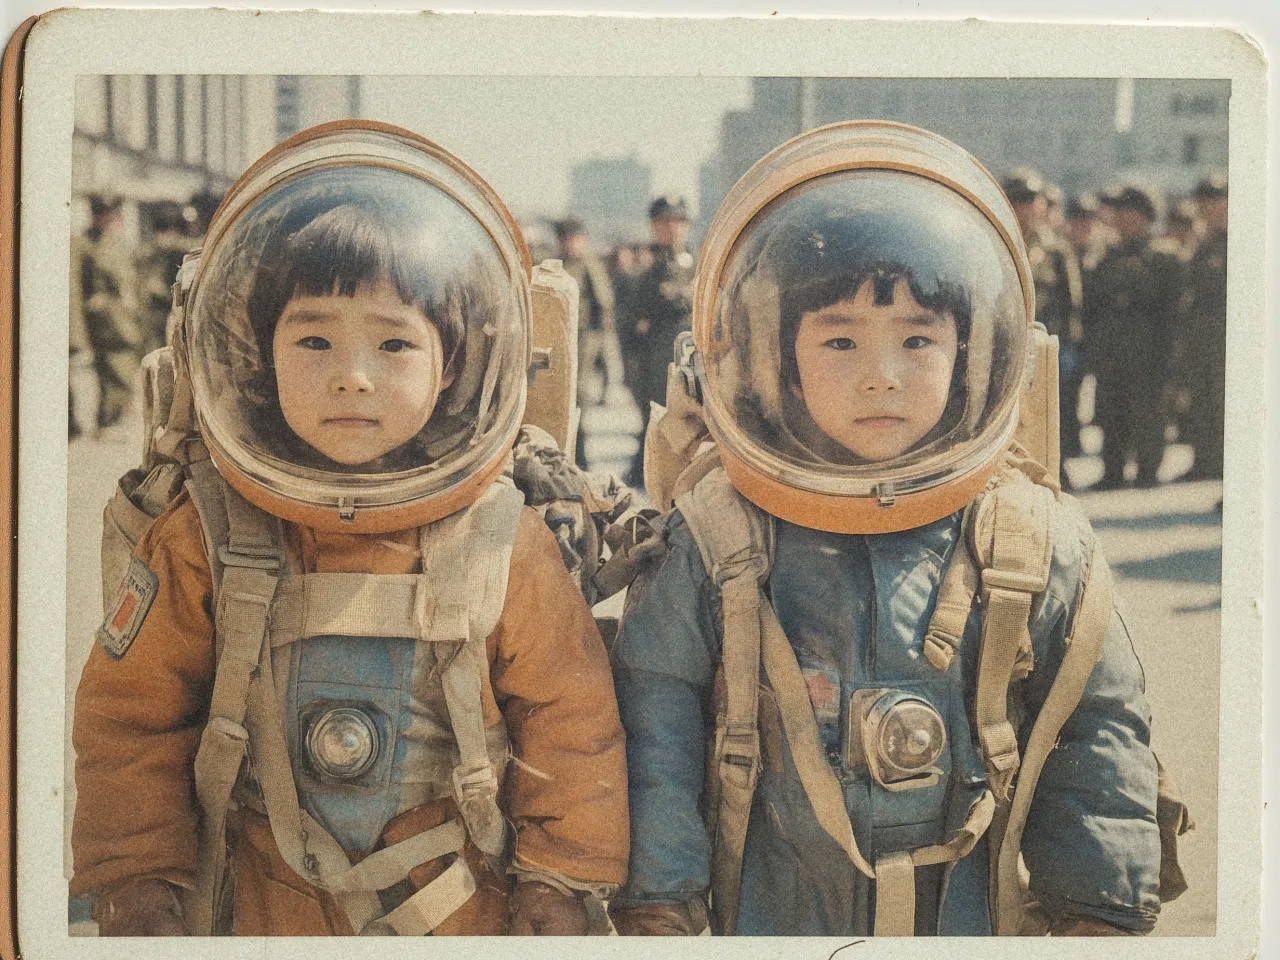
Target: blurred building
column 611, row 195
column 153, row 138
column 1081, row 133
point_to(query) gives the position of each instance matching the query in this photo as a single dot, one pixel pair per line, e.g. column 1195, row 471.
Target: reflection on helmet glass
column 357, row 328
column 867, row 322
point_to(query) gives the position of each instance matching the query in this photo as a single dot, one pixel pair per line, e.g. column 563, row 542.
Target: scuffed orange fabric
column 138, row 722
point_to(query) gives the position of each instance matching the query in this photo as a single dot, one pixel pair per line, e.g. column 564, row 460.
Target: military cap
column 1134, row 197
column 100, row 204
column 1109, row 194
column 1211, row 187
column 1022, row 185
column 1083, row 207
column 569, row 227
column 204, row 203
column 669, row 205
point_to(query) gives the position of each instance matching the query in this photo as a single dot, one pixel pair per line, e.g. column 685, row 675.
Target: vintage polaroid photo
column 1108, row 175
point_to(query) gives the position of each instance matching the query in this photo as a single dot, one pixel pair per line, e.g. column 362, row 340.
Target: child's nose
column 881, row 372
column 353, row 378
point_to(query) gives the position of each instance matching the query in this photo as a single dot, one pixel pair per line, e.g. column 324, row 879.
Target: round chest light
column 343, row 743
column 908, row 736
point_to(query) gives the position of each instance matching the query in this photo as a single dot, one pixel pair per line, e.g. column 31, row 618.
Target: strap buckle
column 993, row 579
column 739, row 745
column 254, row 561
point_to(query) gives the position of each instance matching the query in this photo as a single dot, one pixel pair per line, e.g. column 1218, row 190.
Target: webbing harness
column 1008, row 553
column 455, row 602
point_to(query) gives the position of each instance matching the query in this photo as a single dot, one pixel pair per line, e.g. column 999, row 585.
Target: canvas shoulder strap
column 1009, row 536
column 457, row 601
column 1009, row 533
column 250, row 555
column 466, row 558
column 734, row 539
column 1083, row 650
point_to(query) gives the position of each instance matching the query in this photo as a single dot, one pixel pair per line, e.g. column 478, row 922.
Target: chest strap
column 734, row 539
column 349, row 605
column 1009, row 533
column 457, row 600
column 735, row 547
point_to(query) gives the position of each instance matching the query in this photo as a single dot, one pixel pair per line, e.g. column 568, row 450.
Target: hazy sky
column 524, row 134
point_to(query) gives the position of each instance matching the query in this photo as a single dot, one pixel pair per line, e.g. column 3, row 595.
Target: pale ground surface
column 1164, row 545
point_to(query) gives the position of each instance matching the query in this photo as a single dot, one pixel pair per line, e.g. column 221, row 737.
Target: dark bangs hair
column 827, row 259
column 821, row 245
column 342, row 250
column 336, row 235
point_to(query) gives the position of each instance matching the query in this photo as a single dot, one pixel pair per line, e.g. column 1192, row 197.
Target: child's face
column 357, row 376
column 875, row 377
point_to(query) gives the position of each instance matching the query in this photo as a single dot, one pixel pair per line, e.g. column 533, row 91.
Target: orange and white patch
column 133, row 601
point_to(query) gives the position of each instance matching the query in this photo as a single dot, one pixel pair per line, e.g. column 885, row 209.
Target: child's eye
column 916, row 342
column 395, row 345
column 840, row 343
column 314, row 343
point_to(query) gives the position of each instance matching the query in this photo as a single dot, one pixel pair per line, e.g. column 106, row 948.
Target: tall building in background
column 153, row 138
column 611, row 195
column 1081, row 133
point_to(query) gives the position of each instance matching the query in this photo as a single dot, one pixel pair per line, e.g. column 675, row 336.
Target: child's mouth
column 353, row 423
column 880, row 423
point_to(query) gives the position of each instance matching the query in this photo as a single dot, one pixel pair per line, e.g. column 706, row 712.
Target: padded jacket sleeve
column 138, row 721
column 567, row 783
column 1091, row 844
column 664, row 666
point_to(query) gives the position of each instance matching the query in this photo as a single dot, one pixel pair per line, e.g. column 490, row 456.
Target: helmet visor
column 869, row 326
column 358, row 330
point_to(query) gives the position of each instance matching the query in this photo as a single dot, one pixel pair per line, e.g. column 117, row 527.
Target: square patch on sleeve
column 133, row 600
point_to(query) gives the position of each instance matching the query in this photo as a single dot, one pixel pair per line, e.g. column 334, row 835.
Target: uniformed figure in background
column 158, row 261
column 662, row 308
column 103, row 269
column 82, row 375
column 599, row 356
column 1059, row 295
column 1087, row 234
column 1055, row 214
column 1182, row 230
column 1202, row 333
column 1129, row 308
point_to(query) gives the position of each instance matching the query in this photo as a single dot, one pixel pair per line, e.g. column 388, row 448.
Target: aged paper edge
column 71, row 42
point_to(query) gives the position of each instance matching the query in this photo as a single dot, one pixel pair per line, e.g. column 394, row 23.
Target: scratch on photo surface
column 532, row 769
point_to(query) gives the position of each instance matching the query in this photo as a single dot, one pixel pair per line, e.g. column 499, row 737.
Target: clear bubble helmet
column 862, row 323
column 357, row 331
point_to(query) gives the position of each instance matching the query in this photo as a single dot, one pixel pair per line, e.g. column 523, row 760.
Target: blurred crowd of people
column 120, row 298
column 1138, row 298
column 1135, row 292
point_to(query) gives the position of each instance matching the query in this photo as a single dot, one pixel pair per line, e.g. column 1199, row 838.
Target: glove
column 658, row 920
column 540, row 910
column 140, row 908
column 1087, row 927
